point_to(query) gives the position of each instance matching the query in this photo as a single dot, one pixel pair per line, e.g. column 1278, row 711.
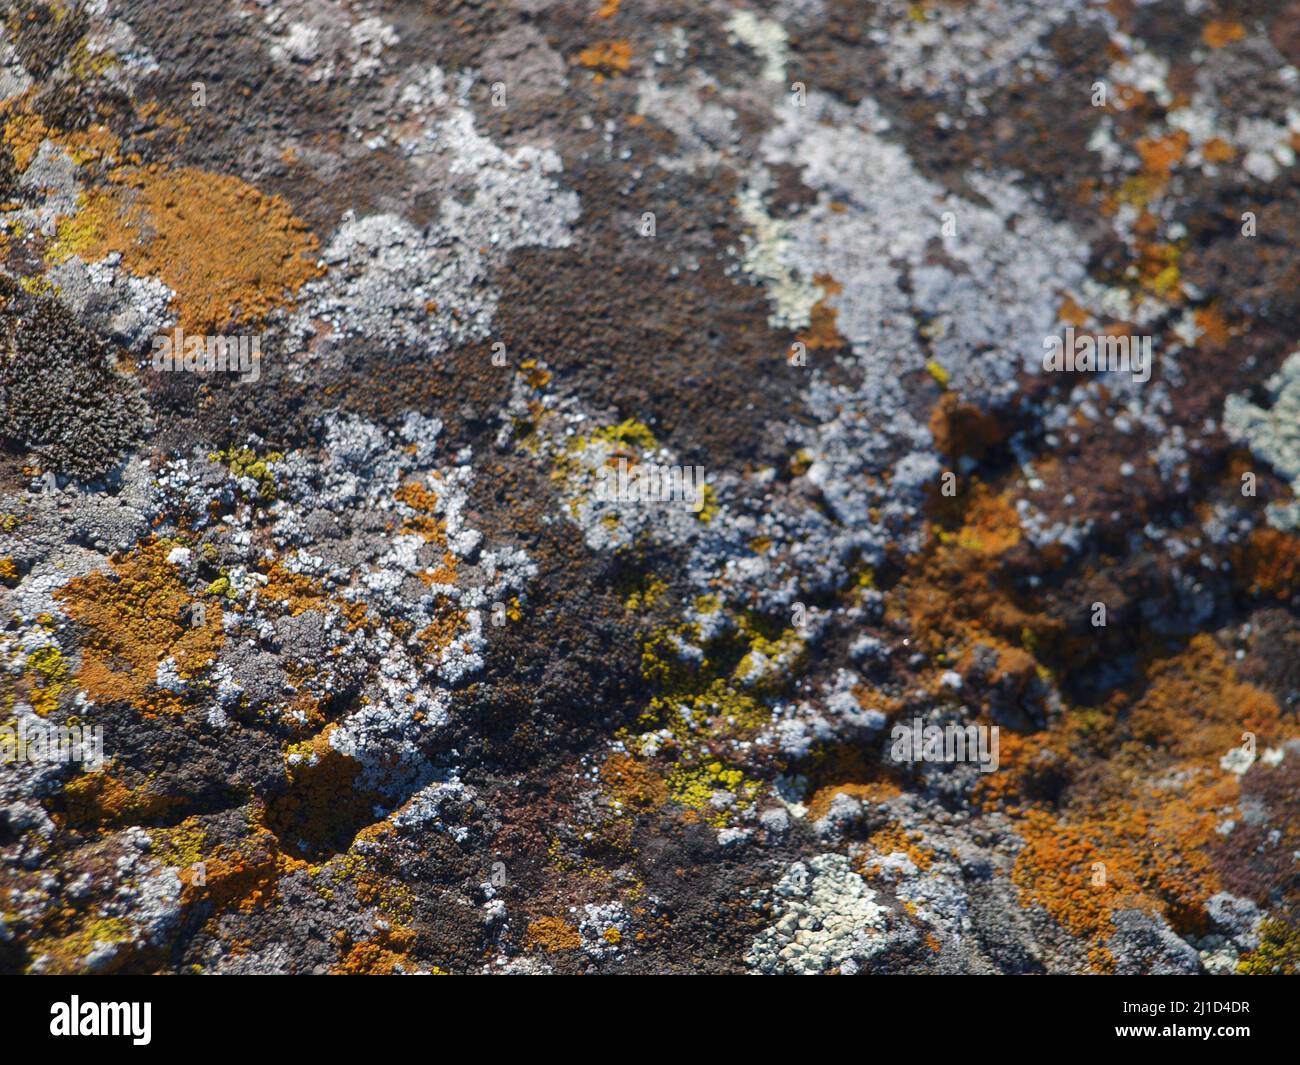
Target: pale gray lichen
column 827, row 917
column 1273, row 434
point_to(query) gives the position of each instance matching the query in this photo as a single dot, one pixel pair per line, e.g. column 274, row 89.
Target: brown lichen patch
column 1270, row 563
column 102, row 800
column 324, row 806
column 229, row 252
column 1196, row 708
column 552, row 934
column 823, row 330
column 607, row 59
column 136, row 616
column 1071, row 313
column 1217, row 150
column 963, row 430
column 633, row 783
column 952, row 595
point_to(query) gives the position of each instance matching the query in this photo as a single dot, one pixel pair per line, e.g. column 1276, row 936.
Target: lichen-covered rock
column 805, row 487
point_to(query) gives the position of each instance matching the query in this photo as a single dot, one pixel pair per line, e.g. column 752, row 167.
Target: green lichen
column 628, row 433
column 50, row 676
column 695, row 787
column 1278, row 953
column 245, row 462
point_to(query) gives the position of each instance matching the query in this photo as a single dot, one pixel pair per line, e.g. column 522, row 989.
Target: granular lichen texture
column 636, row 486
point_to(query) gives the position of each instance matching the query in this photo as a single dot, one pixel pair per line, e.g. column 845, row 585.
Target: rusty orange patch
column 229, row 252
column 1219, row 34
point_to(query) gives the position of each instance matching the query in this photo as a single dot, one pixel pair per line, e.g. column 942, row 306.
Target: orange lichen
column 94, row 144
column 1139, row 835
column 229, row 252
column 607, row 58
column 443, row 573
column 1219, row 33
column 894, row 839
column 1160, row 155
column 24, row 134
column 1217, row 150
column 138, row 615
column 1082, row 870
column 441, row 631
column 1212, row 325
column 991, row 524
column 387, row 953
column 553, row 934
column 243, row 876
column 300, row 593
column 423, row 500
column 609, row 8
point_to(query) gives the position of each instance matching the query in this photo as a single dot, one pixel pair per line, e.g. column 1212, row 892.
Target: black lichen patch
column 61, row 395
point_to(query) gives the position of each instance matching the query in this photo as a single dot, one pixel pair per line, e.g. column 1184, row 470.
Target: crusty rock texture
column 627, row 486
